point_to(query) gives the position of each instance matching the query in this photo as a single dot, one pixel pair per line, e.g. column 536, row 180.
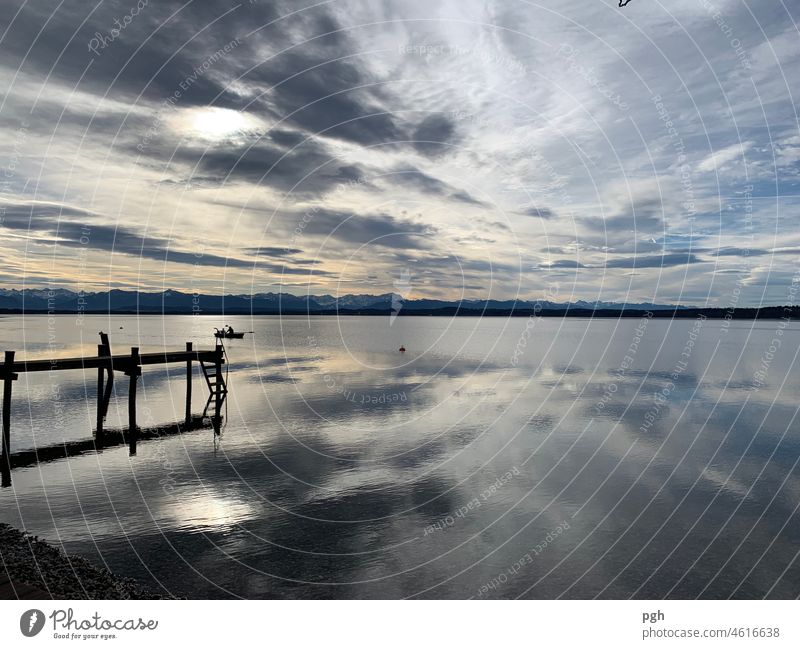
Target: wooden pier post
column 8, row 378
column 218, row 388
column 188, row 418
column 109, row 384
column 100, row 392
column 133, row 372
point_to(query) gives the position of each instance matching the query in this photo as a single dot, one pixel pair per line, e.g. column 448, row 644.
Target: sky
column 495, row 149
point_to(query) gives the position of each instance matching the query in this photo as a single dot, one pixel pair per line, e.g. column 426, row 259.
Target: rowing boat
column 225, row 334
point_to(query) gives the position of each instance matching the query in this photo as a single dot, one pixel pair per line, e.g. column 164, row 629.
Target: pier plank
column 118, row 362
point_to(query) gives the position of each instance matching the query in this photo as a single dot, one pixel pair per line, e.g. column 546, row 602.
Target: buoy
column 402, row 349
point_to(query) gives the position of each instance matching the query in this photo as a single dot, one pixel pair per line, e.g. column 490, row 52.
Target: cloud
column 157, row 50
column 561, row 263
column 37, row 219
column 379, row 230
column 733, row 251
column 334, row 98
column 654, row 261
column 409, row 176
column 630, row 207
column 466, row 197
column 739, row 252
column 323, row 94
column 412, row 177
column 539, row 212
column 722, row 157
column 309, row 168
column 271, row 251
column 434, row 135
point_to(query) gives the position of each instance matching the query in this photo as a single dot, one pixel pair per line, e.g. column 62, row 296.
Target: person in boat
column 229, row 330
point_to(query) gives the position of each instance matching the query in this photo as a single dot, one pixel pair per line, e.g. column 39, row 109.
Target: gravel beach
column 33, row 562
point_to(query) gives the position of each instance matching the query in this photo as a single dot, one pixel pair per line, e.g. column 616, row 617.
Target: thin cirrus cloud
column 274, row 135
column 720, row 158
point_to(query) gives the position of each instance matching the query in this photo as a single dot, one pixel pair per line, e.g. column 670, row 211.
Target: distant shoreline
column 763, row 313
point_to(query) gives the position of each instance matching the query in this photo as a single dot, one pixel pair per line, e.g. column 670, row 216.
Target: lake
column 495, row 458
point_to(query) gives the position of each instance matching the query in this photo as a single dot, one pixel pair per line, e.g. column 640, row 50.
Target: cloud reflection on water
column 307, row 487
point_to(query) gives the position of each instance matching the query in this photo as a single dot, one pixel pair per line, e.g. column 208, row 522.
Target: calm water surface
column 495, row 458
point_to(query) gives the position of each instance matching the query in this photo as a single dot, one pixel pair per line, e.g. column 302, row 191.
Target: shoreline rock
column 28, row 560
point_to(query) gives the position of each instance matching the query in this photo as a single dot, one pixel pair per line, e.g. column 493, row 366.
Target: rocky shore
column 30, row 561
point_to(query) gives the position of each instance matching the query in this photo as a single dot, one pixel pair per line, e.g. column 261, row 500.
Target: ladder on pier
column 215, row 379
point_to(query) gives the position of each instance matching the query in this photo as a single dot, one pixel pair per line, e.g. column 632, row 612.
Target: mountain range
column 176, row 302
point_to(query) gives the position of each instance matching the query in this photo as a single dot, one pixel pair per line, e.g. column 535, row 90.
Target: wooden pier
column 106, row 363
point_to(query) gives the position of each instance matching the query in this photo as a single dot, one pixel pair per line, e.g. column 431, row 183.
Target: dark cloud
column 434, row 135
column 562, row 263
column 489, row 226
column 654, row 261
column 38, row 216
column 538, row 212
column 625, row 245
column 315, row 83
column 271, row 251
column 414, row 178
column 465, row 197
column 159, row 47
column 739, row 252
column 644, row 215
column 285, row 138
column 198, row 49
column 454, row 265
column 306, row 169
column 638, row 222
column 323, row 94
column 381, row 230
column 755, row 252
column 39, row 219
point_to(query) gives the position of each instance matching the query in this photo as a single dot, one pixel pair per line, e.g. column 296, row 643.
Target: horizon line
column 639, row 301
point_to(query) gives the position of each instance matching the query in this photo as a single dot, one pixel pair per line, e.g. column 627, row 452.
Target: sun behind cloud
column 214, row 123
